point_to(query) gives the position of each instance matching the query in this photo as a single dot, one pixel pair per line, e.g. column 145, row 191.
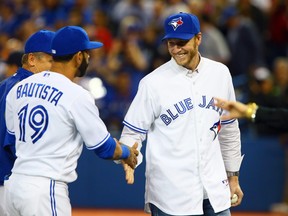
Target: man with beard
column 192, row 166
column 50, row 118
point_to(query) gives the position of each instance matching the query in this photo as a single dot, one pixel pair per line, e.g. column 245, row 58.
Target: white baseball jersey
column 174, row 108
column 52, row 117
column 2, row 206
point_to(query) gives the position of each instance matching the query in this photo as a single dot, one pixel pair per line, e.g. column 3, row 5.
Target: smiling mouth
column 180, row 56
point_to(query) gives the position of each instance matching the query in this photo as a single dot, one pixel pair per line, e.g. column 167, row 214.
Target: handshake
column 132, row 159
column 127, row 154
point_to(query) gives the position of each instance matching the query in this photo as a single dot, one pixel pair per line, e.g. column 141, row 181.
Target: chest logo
column 216, row 128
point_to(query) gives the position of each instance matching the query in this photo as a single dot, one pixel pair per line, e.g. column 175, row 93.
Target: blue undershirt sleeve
column 9, row 143
column 106, row 150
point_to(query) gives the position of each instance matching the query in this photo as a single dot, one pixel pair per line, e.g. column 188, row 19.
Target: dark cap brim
column 178, row 36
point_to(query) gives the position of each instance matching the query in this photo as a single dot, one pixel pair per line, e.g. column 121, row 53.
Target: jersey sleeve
column 229, row 137
column 141, row 113
column 88, row 122
column 140, row 116
column 9, row 137
column 9, row 117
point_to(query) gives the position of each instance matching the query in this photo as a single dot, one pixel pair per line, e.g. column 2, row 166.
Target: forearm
column 229, row 138
column 112, row 149
column 129, row 137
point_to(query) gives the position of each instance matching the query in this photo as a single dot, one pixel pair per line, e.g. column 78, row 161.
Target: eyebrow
column 177, row 42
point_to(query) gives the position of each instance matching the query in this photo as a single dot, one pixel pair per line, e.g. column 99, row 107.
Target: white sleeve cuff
column 234, row 166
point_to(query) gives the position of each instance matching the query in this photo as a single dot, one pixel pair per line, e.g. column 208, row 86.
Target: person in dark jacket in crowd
column 272, row 117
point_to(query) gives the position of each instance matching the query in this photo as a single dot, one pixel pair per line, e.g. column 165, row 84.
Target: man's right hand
column 129, row 173
column 132, row 159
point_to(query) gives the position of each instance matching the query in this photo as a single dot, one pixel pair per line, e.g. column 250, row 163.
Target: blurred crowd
column 249, row 36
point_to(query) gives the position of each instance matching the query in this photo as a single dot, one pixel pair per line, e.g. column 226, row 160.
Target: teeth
column 180, row 55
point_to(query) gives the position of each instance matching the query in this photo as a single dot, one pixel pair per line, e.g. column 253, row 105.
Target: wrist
column 251, row 111
column 125, row 152
column 230, row 174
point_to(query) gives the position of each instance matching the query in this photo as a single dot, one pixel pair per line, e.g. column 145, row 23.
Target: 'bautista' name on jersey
column 39, row 90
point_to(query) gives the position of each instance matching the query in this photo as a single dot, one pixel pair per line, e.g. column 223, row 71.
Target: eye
column 182, row 43
column 171, row 43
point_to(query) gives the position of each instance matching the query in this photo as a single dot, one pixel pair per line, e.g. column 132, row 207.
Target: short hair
column 64, row 58
column 36, row 54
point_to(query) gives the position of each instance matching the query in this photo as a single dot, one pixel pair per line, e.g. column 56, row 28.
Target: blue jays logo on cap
column 182, row 26
column 176, row 22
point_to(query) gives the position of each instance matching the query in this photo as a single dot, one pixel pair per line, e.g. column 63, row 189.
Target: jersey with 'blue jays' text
column 187, row 154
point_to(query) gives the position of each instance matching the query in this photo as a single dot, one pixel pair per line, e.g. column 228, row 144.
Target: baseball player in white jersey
column 192, row 165
column 52, row 117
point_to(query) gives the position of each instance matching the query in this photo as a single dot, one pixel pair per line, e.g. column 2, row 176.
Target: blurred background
column 249, row 36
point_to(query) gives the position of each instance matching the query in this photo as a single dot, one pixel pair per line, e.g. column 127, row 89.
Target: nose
column 175, row 49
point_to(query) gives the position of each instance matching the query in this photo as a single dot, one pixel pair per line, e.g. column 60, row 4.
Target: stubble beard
column 187, row 59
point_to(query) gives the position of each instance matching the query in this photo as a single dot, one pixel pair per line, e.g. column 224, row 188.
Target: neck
column 64, row 69
column 194, row 63
column 29, row 68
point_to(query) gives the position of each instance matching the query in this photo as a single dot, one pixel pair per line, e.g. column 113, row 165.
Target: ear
column 31, row 59
column 78, row 58
column 199, row 38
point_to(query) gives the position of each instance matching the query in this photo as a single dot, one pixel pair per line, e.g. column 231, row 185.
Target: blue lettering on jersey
column 210, row 104
column 39, row 90
column 44, row 93
column 180, row 108
column 185, row 105
column 39, row 85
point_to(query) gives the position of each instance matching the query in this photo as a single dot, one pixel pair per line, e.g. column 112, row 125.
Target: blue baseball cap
column 40, row 41
column 72, row 39
column 182, row 26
